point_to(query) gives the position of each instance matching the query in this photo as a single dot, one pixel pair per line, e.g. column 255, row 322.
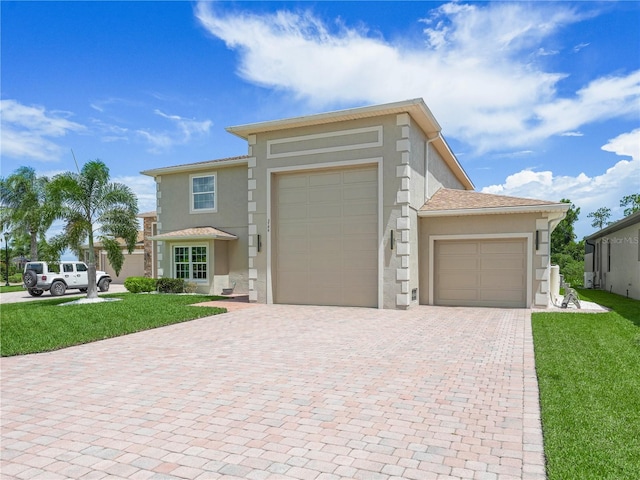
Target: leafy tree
column 632, row 202
column 564, row 232
column 94, row 208
column 28, row 208
column 600, row 217
column 565, row 251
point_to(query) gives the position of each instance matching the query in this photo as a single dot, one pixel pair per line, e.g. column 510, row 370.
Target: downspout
column 593, row 255
column 426, row 165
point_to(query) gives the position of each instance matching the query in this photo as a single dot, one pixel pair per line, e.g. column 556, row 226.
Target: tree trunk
column 34, row 246
column 92, row 290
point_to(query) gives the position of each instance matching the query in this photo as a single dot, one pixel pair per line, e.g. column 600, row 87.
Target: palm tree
column 94, row 208
column 27, row 207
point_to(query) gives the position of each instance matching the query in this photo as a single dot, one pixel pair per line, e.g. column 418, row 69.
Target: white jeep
column 39, row 277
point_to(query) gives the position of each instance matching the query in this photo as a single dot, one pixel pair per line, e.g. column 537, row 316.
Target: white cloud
column 144, row 187
column 27, row 131
column 588, row 193
column 475, row 67
column 185, row 130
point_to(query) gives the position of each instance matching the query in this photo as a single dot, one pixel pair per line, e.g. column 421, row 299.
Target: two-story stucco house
column 361, row 207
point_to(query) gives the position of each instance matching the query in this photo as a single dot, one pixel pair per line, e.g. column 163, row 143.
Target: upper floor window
column 203, row 193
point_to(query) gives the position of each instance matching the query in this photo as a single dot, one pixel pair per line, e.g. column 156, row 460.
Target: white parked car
column 57, row 278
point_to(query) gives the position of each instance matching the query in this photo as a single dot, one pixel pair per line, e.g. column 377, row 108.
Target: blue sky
column 538, row 99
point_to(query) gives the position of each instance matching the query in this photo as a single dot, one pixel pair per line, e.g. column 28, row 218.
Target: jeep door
column 69, row 274
column 83, row 275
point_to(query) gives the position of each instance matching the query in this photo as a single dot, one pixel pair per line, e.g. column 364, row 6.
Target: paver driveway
column 284, row 392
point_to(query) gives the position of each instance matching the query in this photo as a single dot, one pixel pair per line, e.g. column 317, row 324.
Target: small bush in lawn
column 140, row 284
column 190, row 287
column 15, row 278
column 171, row 285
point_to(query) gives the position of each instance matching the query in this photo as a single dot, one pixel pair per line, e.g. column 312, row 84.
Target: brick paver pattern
column 282, row 391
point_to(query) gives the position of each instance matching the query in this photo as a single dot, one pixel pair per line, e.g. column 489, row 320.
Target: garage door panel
column 292, row 181
column 369, row 175
column 331, row 257
column 483, row 272
column 324, row 211
column 457, row 294
column 502, row 247
column 293, row 197
column 323, row 179
column 458, row 248
column 293, row 212
column 507, row 280
column 502, row 263
column 326, row 195
column 459, row 262
column 360, row 192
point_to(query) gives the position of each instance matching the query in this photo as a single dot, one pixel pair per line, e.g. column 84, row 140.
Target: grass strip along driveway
column 588, row 367
column 44, row 325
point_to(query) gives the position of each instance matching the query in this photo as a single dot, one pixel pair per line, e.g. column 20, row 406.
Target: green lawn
column 11, row 288
column 44, row 325
column 588, row 368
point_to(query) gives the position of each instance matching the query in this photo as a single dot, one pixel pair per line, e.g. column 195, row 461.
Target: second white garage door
column 326, row 237
column 485, row 273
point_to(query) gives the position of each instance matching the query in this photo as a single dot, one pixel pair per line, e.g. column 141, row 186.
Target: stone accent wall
column 148, row 245
column 403, row 224
column 253, row 228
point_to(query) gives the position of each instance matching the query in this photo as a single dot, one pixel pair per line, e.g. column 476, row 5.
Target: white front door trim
column 324, row 166
column 481, row 236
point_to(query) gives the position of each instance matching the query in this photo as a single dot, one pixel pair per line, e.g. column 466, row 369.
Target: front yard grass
column 588, row 367
column 11, row 288
column 44, row 325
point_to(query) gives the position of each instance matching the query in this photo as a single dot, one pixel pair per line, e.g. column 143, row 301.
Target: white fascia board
column 560, row 207
column 190, row 237
column 195, row 167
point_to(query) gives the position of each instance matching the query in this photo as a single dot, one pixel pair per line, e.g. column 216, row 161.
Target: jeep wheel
column 57, row 288
column 103, row 285
column 30, row 278
column 35, row 292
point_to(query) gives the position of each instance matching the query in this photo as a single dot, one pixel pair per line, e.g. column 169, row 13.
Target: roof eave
column 619, row 225
column 416, row 107
column 160, row 238
column 192, row 167
column 557, row 207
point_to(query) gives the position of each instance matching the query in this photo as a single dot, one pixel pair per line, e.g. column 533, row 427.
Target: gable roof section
column 447, row 201
column 189, row 167
column 196, row 233
column 614, row 227
column 416, row 107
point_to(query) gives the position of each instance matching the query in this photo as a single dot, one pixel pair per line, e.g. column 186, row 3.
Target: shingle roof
column 196, row 166
column 152, row 213
column 447, row 199
column 196, row 232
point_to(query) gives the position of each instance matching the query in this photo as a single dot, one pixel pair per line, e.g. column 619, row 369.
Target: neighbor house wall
column 617, row 262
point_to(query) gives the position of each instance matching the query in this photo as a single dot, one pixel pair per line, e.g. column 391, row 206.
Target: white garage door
column 326, row 238
column 485, row 273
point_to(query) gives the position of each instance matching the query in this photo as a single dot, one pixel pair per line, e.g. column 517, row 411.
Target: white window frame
column 192, row 193
column 191, row 263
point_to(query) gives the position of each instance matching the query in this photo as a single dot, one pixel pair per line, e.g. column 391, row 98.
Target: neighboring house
column 139, row 263
column 612, row 258
column 362, row 207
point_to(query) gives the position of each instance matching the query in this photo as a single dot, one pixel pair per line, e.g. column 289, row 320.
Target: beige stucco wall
column 259, row 169
column 476, row 225
column 173, row 209
column 622, row 276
